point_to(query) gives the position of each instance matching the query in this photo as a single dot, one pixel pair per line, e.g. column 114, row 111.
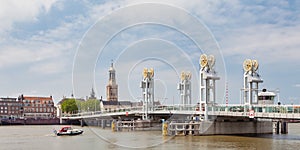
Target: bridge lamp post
column 277, row 92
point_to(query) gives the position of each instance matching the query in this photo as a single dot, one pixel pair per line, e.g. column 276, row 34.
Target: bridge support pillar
column 185, row 89
column 81, row 122
column 281, row 127
column 59, row 112
column 208, row 77
column 147, row 86
column 277, row 127
column 251, row 81
column 103, row 124
column 284, row 127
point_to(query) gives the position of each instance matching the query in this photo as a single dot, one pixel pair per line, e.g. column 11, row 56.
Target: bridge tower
column 185, row 88
column 208, row 77
column 147, row 86
column 251, row 81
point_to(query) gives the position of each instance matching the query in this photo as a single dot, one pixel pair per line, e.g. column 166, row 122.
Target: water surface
column 42, row 137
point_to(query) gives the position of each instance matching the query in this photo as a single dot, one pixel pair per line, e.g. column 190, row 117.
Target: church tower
column 112, row 87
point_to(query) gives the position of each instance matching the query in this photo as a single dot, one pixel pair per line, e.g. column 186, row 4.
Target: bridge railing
column 258, row 108
column 244, row 110
column 138, row 109
column 103, row 112
column 176, row 107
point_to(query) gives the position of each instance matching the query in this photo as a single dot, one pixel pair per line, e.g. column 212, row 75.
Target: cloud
column 23, row 52
column 51, row 67
column 268, row 31
column 15, row 11
column 278, row 43
column 297, row 85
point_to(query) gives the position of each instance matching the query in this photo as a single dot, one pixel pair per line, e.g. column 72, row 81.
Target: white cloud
column 22, row 52
column 15, row 11
column 51, row 67
column 265, row 42
column 242, row 30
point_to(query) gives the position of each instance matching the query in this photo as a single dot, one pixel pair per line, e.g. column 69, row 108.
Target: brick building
column 38, row 107
column 10, row 108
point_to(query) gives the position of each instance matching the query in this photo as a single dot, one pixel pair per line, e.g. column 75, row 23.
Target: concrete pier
column 136, row 125
column 220, row 126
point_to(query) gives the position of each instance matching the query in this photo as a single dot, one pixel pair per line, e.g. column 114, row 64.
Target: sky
column 57, row 48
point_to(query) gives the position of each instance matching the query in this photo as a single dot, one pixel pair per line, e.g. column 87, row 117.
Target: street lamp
column 277, row 92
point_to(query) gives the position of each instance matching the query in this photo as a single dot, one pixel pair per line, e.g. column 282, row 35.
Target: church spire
column 93, row 95
column 112, row 87
column 112, row 74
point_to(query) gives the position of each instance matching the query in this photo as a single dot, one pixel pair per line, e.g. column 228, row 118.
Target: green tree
column 90, row 105
column 70, row 106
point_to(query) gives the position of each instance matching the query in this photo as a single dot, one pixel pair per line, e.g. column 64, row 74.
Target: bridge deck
column 260, row 111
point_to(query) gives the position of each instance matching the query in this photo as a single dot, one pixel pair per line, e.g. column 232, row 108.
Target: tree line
column 72, row 105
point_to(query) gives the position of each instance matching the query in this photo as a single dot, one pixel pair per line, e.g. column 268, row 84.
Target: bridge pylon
column 251, row 81
column 185, row 88
column 147, row 86
column 208, row 77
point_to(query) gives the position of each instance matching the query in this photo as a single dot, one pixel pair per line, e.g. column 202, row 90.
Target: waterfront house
column 10, row 108
column 38, row 107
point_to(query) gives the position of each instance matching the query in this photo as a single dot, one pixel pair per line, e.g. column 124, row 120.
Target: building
column 113, row 106
column 38, row 107
column 10, row 108
column 112, row 87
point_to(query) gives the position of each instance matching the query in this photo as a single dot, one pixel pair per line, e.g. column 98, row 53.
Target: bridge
column 256, row 114
column 278, row 114
column 291, row 112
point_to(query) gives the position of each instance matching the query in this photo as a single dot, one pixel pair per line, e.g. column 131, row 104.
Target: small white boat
column 68, row 130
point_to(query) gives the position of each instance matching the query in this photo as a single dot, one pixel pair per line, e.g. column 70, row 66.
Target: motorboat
column 68, row 130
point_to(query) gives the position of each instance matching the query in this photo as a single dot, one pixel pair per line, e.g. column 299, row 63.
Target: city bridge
column 289, row 112
column 277, row 115
column 256, row 115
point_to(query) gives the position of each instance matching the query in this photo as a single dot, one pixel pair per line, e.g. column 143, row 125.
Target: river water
column 94, row 138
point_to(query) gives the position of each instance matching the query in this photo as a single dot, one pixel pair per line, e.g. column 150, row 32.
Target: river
column 94, row 138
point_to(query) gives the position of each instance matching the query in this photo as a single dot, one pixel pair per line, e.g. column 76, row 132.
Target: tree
column 74, row 106
column 70, row 106
column 91, row 105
